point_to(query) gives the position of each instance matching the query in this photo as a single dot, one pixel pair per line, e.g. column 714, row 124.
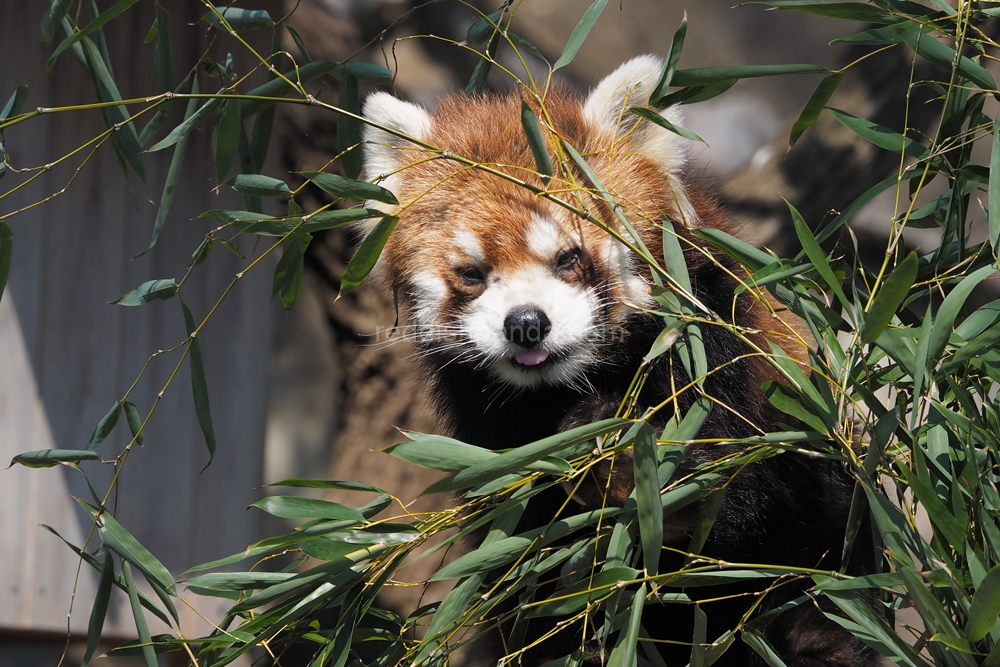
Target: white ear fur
column 381, row 149
column 630, row 86
column 607, row 107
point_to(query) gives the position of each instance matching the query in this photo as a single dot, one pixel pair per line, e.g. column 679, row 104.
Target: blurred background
column 308, row 393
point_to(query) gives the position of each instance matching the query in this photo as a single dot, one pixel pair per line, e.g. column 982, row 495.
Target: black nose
column 526, row 326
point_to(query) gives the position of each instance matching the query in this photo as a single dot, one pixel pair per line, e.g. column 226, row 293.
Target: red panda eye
column 568, row 259
column 470, row 275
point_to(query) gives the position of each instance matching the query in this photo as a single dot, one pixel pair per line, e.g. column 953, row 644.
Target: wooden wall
column 66, row 354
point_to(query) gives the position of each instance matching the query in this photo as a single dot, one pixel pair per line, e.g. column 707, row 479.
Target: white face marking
column 621, row 265
column 545, row 238
column 470, row 245
column 429, row 292
column 571, row 309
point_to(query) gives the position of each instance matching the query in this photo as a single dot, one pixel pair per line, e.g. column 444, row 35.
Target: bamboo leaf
column 366, row 255
column 573, row 598
column 104, row 426
column 880, row 136
column 580, row 33
column 46, row 458
column 810, row 112
column 709, row 75
column 850, row 11
column 260, row 139
column 148, row 654
column 889, row 298
column 699, row 93
column 15, row 103
column 817, row 256
column 670, row 63
column 174, row 171
column 297, row 507
column 482, row 70
column 227, row 138
column 985, row 606
column 78, row 35
column 163, row 59
column 994, row 193
column 624, row 653
column 762, row 647
column 53, row 17
column 949, row 309
column 536, row 142
column 99, row 611
column 348, row 126
column 647, row 497
column 122, row 543
column 199, row 387
column 238, row 18
column 657, row 119
column 349, row 188
column 327, row 484
column 288, row 273
column 134, row 421
column 151, row 290
column 192, row 121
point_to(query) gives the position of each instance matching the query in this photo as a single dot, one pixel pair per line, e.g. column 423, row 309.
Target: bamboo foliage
column 900, row 355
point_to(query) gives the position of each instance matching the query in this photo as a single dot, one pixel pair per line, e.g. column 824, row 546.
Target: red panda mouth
column 532, row 357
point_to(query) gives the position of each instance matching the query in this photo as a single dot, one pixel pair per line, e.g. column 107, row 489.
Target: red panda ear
column 384, row 152
column 607, row 108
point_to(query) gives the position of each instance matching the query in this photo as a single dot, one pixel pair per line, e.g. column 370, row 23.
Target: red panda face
column 489, row 274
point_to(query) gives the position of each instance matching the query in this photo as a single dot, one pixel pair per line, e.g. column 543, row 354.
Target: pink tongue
column 531, row 357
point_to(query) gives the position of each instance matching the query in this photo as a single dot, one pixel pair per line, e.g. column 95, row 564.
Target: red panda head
column 492, row 275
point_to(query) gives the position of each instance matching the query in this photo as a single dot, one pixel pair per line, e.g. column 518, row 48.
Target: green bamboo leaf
column 440, row 453
column 258, row 185
column 124, row 137
column 227, row 138
column 536, row 142
column 191, row 121
column 789, row 402
column 949, row 309
column 978, row 346
column 163, row 59
column 134, row 421
column 260, row 139
column 664, row 341
column 297, row 507
column 985, row 606
column 656, row 118
column 239, row 19
column 483, row 28
column 104, row 426
column 708, row 75
column 521, row 457
column 46, row 458
column 348, row 126
column 349, row 188
column 6, row 253
column 753, row 258
column 880, row 136
column 366, row 255
column 128, row 548
column 673, row 257
column 53, row 17
column 695, row 94
column 850, row 11
column 670, row 64
column 78, row 35
column 810, row 112
column 151, row 290
column 913, row 34
column 288, row 273
column 624, row 653
column 237, row 581
column 818, row 257
column 580, row 33
column 174, row 171
column 647, row 497
column 97, row 565
column 889, row 298
column 265, row 225
column 573, row 598
column 148, row 654
column 994, row 194
column 15, row 103
column 202, row 252
column 327, row 484
column 100, row 609
column 482, row 70
column 762, row 647
column 199, row 387
column 231, row 248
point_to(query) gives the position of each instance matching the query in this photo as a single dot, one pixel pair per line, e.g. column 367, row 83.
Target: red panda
column 532, row 320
